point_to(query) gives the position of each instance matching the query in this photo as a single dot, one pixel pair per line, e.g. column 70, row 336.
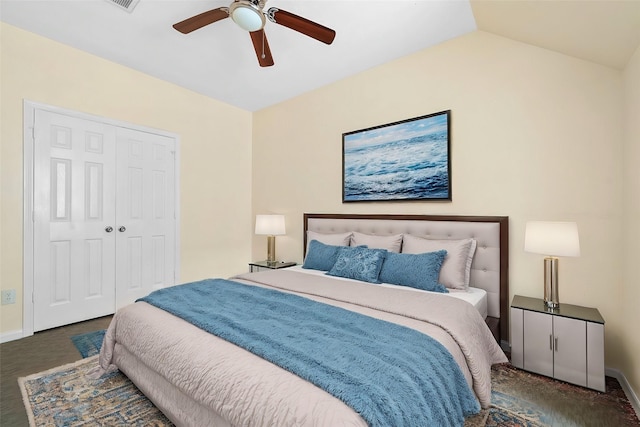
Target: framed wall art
column 406, row 160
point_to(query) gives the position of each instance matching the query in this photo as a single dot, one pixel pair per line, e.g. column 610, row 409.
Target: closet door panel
column 145, row 214
column 73, row 201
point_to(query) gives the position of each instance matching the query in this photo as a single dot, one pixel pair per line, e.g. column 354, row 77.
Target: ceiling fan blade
column 301, row 25
column 201, row 20
column 261, row 46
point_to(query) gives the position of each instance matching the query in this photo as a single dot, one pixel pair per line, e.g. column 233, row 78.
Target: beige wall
column 215, row 151
column 631, row 251
column 536, row 135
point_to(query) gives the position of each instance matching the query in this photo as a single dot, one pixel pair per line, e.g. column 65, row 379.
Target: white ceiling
column 219, row 60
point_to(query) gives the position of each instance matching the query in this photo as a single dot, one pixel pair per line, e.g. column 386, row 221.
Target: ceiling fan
column 250, row 16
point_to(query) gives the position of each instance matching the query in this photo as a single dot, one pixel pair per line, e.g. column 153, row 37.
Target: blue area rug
column 89, row 344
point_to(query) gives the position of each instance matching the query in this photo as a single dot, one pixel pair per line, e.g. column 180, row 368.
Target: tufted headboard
column 490, row 267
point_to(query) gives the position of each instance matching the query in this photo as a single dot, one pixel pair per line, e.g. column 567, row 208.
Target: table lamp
column 552, row 239
column 271, row 226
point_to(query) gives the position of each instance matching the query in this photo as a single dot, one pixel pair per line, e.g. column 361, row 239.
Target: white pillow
column 456, row 268
column 391, row 243
column 335, row 239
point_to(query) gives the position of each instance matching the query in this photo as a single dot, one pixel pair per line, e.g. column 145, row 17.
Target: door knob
column 122, row 229
column 109, row 229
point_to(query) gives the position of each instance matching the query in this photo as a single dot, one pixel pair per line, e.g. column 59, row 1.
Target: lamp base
column 551, row 282
column 271, row 249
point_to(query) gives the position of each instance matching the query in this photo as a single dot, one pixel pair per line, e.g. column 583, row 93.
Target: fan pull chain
column 263, row 55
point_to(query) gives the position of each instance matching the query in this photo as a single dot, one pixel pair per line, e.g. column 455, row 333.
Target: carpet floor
column 76, row 394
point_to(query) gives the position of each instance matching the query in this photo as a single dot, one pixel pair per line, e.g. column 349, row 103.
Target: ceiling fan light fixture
column 247, row 15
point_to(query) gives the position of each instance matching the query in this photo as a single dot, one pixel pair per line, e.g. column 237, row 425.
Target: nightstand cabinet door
column 538, row 343
column 570, row 350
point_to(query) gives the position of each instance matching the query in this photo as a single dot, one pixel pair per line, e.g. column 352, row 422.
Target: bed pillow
column 391, row 243
column 335, row 239
column 419, row 271
column 320, row 256
column 456, row 269
column 358, row 263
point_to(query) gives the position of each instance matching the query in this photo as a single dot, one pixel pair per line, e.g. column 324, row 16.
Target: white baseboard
column 11, row 336
column 631, row 395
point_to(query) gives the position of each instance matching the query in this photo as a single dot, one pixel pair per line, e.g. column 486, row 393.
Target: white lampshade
column 246, row 15
column 270, row 225
column 552, row 238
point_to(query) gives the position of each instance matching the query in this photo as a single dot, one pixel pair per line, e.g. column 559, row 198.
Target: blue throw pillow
column 320, row 256
column 419, row 271
column 358, row 263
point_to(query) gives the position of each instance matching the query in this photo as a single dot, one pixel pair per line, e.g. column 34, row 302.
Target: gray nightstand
column 264, row 265
column 566, row 343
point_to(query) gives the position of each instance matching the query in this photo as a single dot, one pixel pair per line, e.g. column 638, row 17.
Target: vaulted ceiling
column 219, row 60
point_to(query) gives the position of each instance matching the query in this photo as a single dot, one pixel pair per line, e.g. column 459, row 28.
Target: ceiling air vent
column 127, row 5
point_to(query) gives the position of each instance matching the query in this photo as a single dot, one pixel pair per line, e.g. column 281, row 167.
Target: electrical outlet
column 9, row 296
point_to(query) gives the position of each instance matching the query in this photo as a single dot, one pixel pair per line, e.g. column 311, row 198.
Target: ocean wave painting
column 407, row 160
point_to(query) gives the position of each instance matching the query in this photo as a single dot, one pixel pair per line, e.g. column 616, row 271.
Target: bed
column 197, row 378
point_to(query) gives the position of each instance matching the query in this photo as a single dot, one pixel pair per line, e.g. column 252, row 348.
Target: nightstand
column 265, row 265
column 566, row 343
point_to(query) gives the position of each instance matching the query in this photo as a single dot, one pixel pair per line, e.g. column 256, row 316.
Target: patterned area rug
column 76, row 394
column 520, row 398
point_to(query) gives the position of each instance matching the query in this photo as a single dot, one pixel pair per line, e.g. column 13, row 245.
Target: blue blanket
column 390, row 374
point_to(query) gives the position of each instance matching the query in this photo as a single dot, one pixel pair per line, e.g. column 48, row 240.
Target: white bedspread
column 219, row 379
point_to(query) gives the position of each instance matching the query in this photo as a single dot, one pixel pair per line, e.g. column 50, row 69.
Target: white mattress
column 474, row 296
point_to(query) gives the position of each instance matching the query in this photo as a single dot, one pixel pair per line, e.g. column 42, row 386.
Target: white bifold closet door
column 104, row 217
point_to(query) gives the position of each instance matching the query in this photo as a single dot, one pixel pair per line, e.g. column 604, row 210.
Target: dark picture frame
column 400, row 161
